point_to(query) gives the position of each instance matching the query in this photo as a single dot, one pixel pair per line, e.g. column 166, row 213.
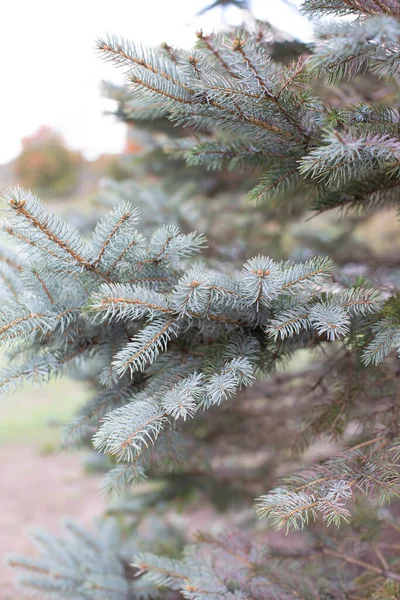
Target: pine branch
column 125, row 53
column 45, row 232
column 109, row 238
column 118, row 478
column 123, row 301
column 79, row 566
column 345, row 7
column 325, row 490
column 145, row 346
column 138, row 424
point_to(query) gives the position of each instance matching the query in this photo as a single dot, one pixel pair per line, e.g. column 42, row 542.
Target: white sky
column 50, row 71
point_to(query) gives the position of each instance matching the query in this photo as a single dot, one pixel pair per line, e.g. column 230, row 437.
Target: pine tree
column 172, row 342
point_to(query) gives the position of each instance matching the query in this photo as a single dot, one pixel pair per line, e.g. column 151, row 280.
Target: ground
column 38, row 490
column 39, row 485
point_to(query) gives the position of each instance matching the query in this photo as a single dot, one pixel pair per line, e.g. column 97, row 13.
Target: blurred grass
column 34, row 414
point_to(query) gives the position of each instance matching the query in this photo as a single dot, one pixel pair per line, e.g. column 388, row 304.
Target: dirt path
column 37, row 491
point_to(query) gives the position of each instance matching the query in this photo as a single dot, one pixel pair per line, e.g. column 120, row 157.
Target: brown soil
column 39, row 490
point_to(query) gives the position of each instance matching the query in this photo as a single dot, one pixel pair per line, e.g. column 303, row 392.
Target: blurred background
column 62, row 136
column 53, row 72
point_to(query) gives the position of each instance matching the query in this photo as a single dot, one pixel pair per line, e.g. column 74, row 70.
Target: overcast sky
column 50, row 71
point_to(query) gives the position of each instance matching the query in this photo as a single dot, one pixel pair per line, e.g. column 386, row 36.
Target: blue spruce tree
column 172, row 340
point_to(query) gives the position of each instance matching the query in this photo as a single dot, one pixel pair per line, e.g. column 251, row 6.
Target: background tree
column 46, row 164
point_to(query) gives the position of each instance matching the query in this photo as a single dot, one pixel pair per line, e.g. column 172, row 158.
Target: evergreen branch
column 164, row 340
column 169, row 50
column 124, row 301
column 360, row 301
column 118, row 478
column 240, row 153
column 385, row 572
column 110, row 236
column 298, row 276
column 79, row 566
column 338, row 161
column 145, row 346
column 20, row 321
column 25, row 205
column 9, row 282
column 345, row 7
column 292, row 74
column 326, row 489
column 239, row 47
column 183, row 399
column 126, row 431
column 330, row 318
column 10, row 259
column 168, row 241
column 164, row 572
column 289, row 323
column 227, row 91
column 109, row 239
column 386, row 337
column 126, row 53
column 276, row 182
column 375, row 191
column 261, row 280
column 39, row 369
column 25, row 240
column 345, row 49
column 206, row 42
column 43, row 285
column 90, row 415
